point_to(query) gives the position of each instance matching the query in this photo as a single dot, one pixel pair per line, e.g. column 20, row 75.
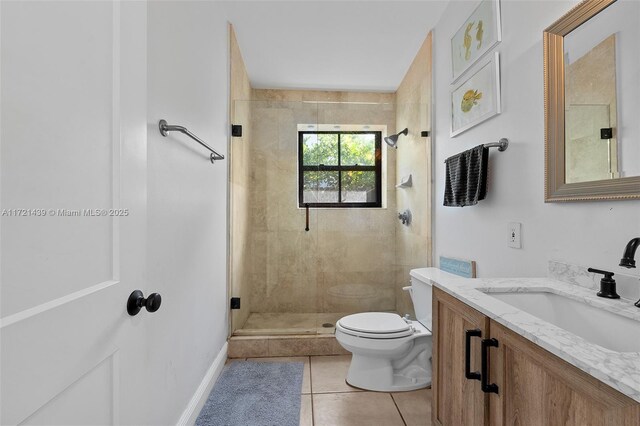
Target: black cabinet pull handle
column 468, row 334
column 484, row 382
column 136, row 301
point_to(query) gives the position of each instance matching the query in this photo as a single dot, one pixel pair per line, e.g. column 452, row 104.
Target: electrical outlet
column 514, row 235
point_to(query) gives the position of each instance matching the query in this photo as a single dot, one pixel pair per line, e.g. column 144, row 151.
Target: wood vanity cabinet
column 456, row 400
column 534, row 387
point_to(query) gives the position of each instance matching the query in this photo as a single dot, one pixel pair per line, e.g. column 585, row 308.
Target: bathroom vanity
column 532, row 352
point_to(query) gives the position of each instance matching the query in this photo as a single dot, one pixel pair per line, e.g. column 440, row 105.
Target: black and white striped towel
column 466, row 177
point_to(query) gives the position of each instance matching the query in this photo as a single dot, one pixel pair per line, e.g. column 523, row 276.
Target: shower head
column 393, row 139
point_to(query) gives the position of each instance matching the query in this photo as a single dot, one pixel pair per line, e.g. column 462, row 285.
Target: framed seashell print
column 476, row 98
column 477, row 35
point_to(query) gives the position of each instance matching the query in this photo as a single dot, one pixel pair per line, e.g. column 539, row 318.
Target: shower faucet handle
column 405, row 217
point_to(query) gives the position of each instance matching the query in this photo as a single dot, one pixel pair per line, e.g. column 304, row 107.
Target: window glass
column 320, row 149
column 340, row 169
column 320, row 187
column 359, row 187
column 358, row 149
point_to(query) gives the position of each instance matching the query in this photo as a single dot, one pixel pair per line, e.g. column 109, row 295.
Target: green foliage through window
column 340, row 169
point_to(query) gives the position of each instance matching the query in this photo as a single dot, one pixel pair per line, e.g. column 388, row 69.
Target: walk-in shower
column 293, row 281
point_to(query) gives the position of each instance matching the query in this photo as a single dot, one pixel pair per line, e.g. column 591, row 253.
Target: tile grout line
column 398, row 408
column 313, row 420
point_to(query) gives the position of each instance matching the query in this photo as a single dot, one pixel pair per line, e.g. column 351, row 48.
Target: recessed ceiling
column 331, row 45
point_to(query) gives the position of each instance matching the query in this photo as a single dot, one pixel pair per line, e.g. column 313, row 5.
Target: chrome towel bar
column 165, row 128
column 502, row 144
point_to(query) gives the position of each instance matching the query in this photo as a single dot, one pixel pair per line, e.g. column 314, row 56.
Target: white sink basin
column 601, row 327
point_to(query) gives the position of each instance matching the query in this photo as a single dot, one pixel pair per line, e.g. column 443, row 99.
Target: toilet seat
column 375, row 325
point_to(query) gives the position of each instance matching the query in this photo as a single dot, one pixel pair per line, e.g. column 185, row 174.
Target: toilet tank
column 421, row 296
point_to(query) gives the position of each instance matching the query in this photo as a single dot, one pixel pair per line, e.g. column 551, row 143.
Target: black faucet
column 607, row 284
column 629, row 254
column 628, row 257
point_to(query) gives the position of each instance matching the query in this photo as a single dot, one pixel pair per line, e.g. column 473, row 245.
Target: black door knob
column 136, row 301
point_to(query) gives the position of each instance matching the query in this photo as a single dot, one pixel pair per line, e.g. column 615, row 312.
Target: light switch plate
column 514, row 235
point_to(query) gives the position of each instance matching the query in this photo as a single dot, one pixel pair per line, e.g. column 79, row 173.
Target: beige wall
column 413, row 111
column 239, row 167
column 345, row 263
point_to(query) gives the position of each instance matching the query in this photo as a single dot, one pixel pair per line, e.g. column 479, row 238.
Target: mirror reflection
column 602, row 96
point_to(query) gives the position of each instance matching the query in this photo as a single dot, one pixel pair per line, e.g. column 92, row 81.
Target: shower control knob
column 137, row 300
column 405, row 217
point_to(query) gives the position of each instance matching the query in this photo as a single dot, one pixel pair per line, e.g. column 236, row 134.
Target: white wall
column 585, row 233
column 187, row 197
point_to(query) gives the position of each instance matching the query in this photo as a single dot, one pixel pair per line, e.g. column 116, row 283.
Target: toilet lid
column 375, row 323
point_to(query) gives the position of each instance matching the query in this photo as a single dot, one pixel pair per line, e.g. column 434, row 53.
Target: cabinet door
column 536, row 387
column 456, row 399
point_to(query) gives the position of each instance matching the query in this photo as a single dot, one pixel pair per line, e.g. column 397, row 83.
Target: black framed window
column 340, row 169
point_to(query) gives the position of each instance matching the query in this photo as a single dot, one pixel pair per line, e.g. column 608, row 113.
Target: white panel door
column 73, row 202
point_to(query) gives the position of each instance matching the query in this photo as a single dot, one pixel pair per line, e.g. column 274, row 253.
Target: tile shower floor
column 327, row 400
column 289, row 323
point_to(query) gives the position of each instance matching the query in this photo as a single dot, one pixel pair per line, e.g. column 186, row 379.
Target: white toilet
column 390, row 353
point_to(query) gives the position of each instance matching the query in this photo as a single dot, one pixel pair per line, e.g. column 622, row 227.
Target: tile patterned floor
column 328, row 401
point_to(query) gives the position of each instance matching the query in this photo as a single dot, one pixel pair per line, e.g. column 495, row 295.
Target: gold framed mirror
column 592, row 151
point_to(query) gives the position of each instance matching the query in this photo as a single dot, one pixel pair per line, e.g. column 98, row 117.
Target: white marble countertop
column 619, row 370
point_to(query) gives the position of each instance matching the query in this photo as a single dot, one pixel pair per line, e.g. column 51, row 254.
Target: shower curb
column 289, row 345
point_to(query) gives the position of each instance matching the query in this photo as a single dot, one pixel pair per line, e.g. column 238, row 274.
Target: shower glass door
column 273, row 255
column 295, row 281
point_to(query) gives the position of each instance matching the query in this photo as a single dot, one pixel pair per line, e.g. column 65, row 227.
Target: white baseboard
column 198, row 399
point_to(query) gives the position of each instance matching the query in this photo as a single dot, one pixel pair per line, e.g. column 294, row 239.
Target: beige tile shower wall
column 239, row 166
column 413, row 111
column 345, row 263
column 591, row 82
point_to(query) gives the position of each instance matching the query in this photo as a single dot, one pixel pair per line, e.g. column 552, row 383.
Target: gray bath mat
column 253, row 393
